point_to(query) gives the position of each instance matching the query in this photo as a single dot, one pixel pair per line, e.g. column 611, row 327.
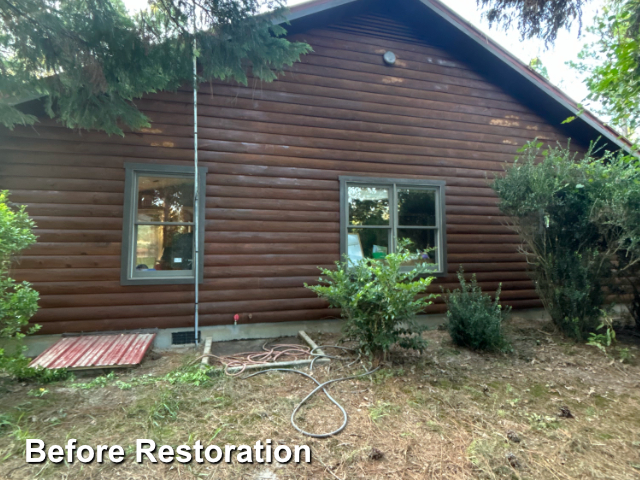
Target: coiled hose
column 320, row 386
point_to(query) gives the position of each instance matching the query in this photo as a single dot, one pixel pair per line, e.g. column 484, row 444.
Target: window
column 157, row 234
column 376, row 213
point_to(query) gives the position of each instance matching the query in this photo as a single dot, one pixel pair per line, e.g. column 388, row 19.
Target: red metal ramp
column 96, row 351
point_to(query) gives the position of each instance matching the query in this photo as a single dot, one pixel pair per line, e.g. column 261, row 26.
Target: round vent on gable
column 389, row 58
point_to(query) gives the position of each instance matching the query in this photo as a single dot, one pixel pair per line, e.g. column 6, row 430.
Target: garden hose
column 320, row 386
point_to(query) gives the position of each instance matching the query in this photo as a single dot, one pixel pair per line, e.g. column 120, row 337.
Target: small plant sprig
column 603, row 341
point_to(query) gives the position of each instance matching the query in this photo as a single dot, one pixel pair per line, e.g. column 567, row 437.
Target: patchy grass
column 448, row 414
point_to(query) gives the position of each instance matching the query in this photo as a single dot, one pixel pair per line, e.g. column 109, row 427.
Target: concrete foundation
column 222, row 333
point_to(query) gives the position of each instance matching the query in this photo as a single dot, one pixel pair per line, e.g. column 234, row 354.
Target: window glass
column 367, row 242
column 416, row 207
column 368, row 205
column 423, row 241
column 158, row 232
column 382, row 214
column 165, row 199
column 164, row 247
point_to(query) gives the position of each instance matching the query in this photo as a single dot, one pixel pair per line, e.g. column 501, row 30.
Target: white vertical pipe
column 196, row 189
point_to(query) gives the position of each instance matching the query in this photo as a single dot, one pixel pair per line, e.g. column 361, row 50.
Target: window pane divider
column 393, row 243
column 371, row 226
column 174, row 224
column 418, row 227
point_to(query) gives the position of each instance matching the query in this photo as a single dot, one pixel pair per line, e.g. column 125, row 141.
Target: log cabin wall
column 274, row 153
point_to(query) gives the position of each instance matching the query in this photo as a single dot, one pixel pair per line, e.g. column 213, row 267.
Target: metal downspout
column 196, row 189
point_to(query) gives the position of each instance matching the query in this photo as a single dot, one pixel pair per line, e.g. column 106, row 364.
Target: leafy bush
column 475, row 321
column 18, row 367
column 578, row 218
column 18, row 301
column 379, row 300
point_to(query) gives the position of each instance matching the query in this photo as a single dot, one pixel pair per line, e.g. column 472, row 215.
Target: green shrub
column 379, row 300
column 18, row 301
column 578, row 217
column 571, row 286
column 18, row 367
column 475, row 320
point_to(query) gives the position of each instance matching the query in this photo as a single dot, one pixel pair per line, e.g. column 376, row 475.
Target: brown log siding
column 274, row 153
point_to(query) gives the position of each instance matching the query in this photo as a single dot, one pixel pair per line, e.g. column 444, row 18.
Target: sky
column 566, row 47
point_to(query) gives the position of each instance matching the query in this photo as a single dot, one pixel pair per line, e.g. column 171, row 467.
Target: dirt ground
column 447, row 414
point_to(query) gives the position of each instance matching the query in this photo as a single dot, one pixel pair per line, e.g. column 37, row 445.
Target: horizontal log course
column 60, row 197
column 271, row 237
column 271, row 248
column 272, row 193
column 488, row 267
column 78, row 223
column 157, row 151
column 77, row 236
column 473, row 249
column 262, row 271
column 485, row 257
column 209, row 284
column 478, row 229
column 68, row 261
column 178, row 309
column 272, row 204
column 65, row 274
column 71, row 210
column 21, row 170
column 271, row 215
column 59, row 184
column 269, row 259
column 438, row 287
column 151, row 298
column 114, row 324
column 269, row 226
column 453, row 239
column 96, row 248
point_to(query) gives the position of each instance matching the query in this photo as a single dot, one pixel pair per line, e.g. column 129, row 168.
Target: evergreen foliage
column 535, row 18
column 379, row 300
column 90, row 59
column 474, row 319
column 578, row 219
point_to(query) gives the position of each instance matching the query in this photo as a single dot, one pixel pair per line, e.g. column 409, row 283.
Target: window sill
column 158, row 281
